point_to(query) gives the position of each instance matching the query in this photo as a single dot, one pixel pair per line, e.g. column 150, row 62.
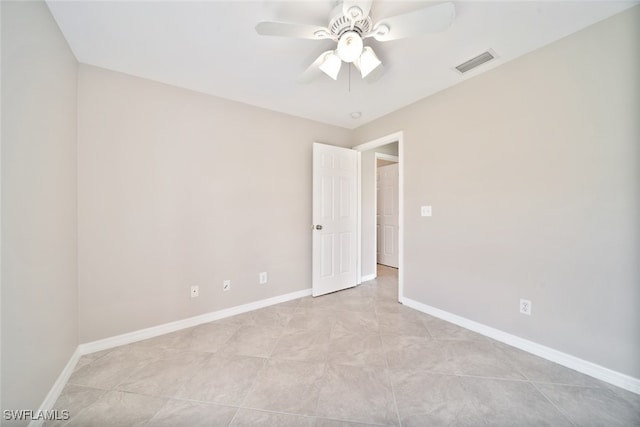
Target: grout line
column 515, row 380
column 253, row 385
column 386, row 357
column 553, row 404
column 393, row 393
column 323, row 381
column 265, row 366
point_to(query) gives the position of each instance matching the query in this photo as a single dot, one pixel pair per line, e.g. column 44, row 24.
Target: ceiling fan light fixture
column 367, row 62
column 331, row 65
column 349, row 46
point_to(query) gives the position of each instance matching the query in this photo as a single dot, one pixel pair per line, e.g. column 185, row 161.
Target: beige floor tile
column 514, row 403
column 113, row 368
column 222, row 379
column 253, row 418
column 302, row 345
column 358, row 350
column 178, row 340
column 586, row 406
column 211, row 337
column 402, row 323
column 386, row 305
column 359, row 394
column 287, row 386
column 276, row 315
column 411, row 352
column 91, row 357
column 480, row 358
column 441, row 330
column 354, row 322
column 538, row 369
column 164, row 377
column 632, row 399
column 74, row 399
column 176, row 413
column 425, row 398
column 116, row 408
column 253, row 340
column 306, row 318
column 324, row 422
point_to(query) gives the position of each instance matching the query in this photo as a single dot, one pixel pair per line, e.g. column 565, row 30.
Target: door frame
column 388, row 139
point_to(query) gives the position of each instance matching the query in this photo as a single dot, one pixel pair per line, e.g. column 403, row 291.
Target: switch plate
column 425, row 210
column 226, row 285
column 195, row 291
column 263, row 277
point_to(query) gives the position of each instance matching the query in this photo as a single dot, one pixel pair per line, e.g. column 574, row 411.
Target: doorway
column 390, row 145
column 387, row 208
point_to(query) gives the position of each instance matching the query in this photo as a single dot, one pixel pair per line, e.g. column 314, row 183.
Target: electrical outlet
column 263, row 277
column 195, row 291
column 426, row 211
column 525, row 306
column 226, row 285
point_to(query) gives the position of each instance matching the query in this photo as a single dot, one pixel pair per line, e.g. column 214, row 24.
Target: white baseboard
column 143, row 334
column 368, row 277
column 154, row 331
column 588, row 368
column 55, row 391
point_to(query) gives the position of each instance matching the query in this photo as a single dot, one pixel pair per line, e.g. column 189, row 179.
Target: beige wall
column 532, row 170
column 177, row 189
column 39, row 262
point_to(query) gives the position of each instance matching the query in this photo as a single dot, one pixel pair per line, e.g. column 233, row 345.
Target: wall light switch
column 425, row 210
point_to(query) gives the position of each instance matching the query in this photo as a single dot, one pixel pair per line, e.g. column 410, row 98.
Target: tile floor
column 352, row 358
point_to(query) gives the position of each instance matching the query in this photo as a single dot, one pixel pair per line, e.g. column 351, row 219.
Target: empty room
column 320, row 213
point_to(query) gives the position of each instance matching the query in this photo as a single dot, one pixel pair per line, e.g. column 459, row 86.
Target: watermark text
column 31, row 415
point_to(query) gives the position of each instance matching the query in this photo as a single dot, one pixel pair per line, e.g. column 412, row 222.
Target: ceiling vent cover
column 475, row 62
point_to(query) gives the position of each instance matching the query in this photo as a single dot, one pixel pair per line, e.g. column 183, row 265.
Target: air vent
column 475, row 62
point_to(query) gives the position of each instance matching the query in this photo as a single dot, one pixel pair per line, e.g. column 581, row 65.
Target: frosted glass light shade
column 349, row 46
column 331, row 65
column 367, row 62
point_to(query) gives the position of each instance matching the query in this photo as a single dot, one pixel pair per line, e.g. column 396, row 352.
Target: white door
column 387, row 215
column 335, row 210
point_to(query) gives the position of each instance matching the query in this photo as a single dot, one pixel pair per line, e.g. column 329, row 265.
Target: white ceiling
column 212, row 47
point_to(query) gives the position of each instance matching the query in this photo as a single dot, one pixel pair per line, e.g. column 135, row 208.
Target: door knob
column 318, row 227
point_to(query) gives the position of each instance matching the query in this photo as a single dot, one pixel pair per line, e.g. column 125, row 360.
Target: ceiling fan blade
column 313, row 71
column 364, row 6
column 286, row 29
column 431, row 19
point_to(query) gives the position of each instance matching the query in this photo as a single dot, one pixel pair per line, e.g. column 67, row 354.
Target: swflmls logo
column 28, row 414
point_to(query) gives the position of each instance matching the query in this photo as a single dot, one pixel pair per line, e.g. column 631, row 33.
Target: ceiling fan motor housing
column 340, row 24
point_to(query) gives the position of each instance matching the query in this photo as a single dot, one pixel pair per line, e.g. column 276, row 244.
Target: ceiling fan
column 350, row 24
